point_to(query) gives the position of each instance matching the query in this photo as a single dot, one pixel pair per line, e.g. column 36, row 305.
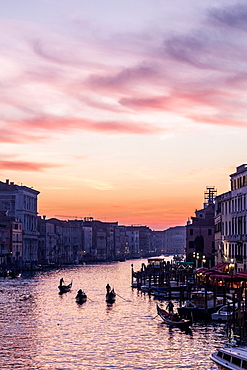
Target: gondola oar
column 127, row 300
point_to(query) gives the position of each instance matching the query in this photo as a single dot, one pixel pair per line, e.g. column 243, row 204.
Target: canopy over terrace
column 220, row 278
column 222, row 266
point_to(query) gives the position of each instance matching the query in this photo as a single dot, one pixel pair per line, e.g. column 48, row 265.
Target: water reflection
column 41, row 329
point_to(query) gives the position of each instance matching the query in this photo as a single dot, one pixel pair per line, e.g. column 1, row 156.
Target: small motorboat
column 231, row 357
column 173, row 319
column 64, row 288
column 228, row 312
column 201, row 305
column 81, row 297
column 14, row 275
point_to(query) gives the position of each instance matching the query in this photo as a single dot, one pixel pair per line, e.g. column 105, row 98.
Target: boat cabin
column 202, row 299
column 228, row 358
column 156, row 261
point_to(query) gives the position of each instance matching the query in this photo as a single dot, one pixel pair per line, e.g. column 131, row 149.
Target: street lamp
column 203, row 260
column 197, row 258
column 231, row 266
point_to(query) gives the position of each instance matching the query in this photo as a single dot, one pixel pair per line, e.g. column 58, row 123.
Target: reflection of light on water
column 49, row 331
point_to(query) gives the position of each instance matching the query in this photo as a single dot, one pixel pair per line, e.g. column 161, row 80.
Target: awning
column 242, row 274
column 220, row 266
column 201, row 270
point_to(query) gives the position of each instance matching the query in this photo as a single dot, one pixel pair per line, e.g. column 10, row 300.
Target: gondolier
column 108, row 288
column 170, row 307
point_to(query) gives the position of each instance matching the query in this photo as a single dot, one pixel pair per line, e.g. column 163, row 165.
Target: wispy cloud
column 62, row 81
column 26, row 166
column 51, row 123
column 234, row 16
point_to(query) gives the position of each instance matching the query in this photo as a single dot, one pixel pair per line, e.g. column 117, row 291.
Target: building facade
column 175, row 240
column 21, row 202
column 230, row 222
column 10, row 242
column 200, row 233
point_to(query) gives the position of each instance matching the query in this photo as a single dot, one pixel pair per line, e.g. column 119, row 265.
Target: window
column 236, row 361
column 191, row 231
column 244, row 364
column 209, row 231
column 227, row 357
column 191, row 244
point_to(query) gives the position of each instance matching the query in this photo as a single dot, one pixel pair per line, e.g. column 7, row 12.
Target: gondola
column 81, row 297
column 110, row 297
column 173, row 319
column 64, row 288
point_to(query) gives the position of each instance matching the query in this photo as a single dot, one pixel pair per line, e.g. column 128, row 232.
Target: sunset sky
column 123, row 110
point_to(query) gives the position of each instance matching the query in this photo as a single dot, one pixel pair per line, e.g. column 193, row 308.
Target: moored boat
column 173, row 319
column 230, row 358
column 201, row 305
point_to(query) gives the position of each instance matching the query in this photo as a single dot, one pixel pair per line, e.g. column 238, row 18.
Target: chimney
column 7, row 181
column 44, row 217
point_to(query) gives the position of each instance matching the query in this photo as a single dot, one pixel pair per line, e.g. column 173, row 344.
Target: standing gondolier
column 108, row 288
column 170, row 307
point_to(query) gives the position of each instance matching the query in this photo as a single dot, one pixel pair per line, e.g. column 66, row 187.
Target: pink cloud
column 15, row 136
column 51, row 123
column 219, row 120
column 25, row 166
column 125, row 72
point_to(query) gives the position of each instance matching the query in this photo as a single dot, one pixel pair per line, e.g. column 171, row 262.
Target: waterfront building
column 230, row 222
column 10, row 242
column 87, row 236
column 171, row 241
column 147, row 241
column 175, row 240
column 160, row 241
column 103, row 239
column 48, row 242
column 121, row 244
column 132, row 242
column 200, row 239
column 63, row 241
column 21, row 202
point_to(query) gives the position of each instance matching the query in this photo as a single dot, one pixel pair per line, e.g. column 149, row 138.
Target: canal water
column 40, row 329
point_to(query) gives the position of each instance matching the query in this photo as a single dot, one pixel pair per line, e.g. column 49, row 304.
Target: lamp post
column 197, row 259
column 203, row 260
column 231, row 266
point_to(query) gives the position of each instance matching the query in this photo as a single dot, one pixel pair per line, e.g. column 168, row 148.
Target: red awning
column 220, row 266
column 242, row 274
column 201, row 270
column 222, row 276
column 213, row 271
